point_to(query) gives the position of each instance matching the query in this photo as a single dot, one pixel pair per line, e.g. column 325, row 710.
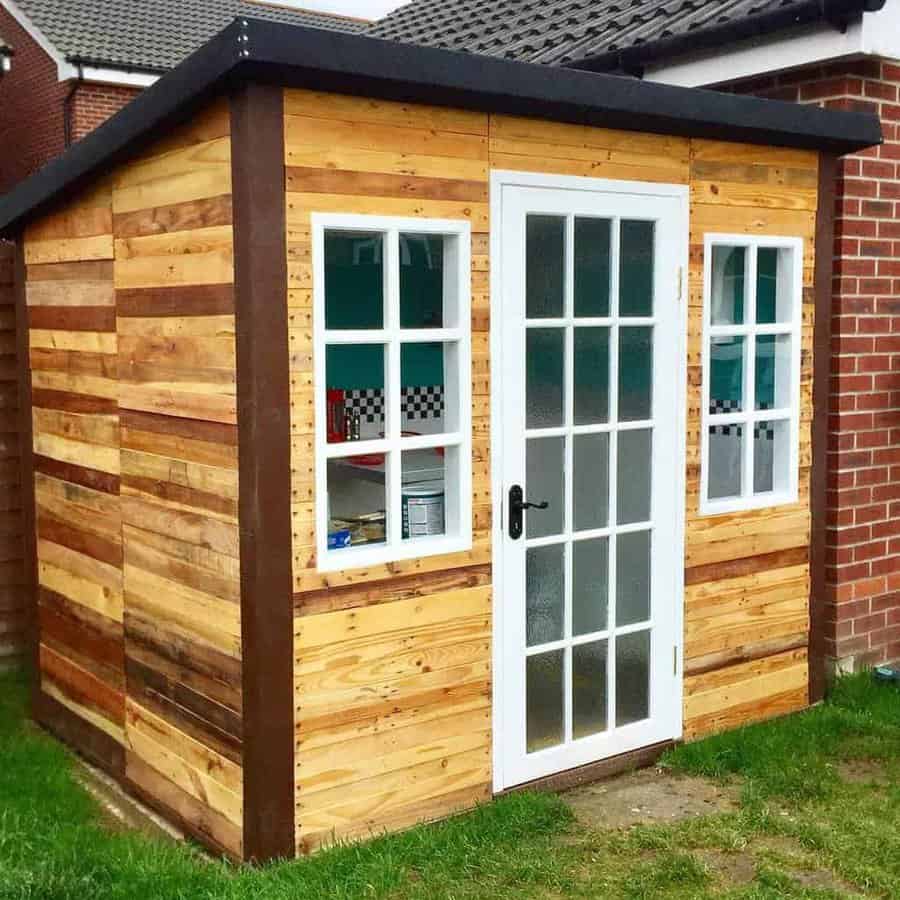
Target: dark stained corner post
column 263, row 409
column 824, row 271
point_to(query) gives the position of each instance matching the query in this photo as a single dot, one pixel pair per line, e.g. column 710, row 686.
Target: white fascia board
column 881, row 31
column 65, row 70
column 118, row 77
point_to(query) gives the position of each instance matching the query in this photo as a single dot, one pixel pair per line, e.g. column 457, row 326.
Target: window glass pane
column 423, row 494
column 544, row 377
column 729, row 285
column 726, row 374
column 591, row 375
column 545, row 266
column 544, row 701
column 427, row 406
column 422, row 280
column 590, row 586
column 632, row 578
column 592, row 269
column 354, row 279
column 632, row 677
column 725, row 461
column 591, row 492
column 356, row 502
column 636, row 269
column 355, row 401
column 635, row 473
column 771, row 457
column 544, row 592
column 773, row 371
column 544, row 467
column 774, row 285
column 635, row 373
column 589, row 689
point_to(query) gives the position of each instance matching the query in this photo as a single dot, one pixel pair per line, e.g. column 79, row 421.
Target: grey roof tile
column 154, row 35
column 557, row 32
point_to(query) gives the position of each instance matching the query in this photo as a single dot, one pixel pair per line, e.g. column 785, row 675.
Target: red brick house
column 80, row 61
column 837, row 53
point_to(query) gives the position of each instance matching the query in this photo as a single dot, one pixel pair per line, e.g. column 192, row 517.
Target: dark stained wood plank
column 204, row 213
column 374, row 184
column 712, row 662
column 68, row 401
column 73, row 318
column 181, row 495
column 89, row 270
column 184, row 300
column 70, row 535
column 748, row 565
column 82, row 686
column 195, row 429
column 74, row 362
column 77, row 626
column 89, row 478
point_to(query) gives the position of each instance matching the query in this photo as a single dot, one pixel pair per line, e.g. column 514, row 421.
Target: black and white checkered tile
column 761, row 430
column 416, row 403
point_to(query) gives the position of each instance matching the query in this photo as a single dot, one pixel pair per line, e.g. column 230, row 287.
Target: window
column 392, row 388
column 753, row 290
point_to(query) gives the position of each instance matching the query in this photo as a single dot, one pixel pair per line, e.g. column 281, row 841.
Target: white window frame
column 458, row 512
column 750, row 330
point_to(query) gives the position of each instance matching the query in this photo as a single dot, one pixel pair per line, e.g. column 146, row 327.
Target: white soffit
column 875, row 34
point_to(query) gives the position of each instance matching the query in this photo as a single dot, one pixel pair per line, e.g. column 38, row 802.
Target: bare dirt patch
column 863, row 771
column 731, row 868
column 823, row 880
column 650, row 797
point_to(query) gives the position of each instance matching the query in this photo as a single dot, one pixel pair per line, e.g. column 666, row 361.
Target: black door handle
column 517, row 505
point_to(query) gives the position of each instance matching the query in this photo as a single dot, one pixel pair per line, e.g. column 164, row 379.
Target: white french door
column 588, row 362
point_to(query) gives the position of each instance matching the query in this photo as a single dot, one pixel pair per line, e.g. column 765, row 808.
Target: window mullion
column 750, row 372
column 393, row 425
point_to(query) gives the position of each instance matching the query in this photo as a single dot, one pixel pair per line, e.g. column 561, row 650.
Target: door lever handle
column 517, row 505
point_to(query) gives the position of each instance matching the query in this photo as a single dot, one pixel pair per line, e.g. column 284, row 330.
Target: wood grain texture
column 14, row 592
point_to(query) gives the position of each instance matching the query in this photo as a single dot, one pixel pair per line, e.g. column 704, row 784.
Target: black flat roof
column 254, row 49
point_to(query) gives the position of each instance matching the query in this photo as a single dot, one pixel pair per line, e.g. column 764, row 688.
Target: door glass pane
column 592, row 269
column 771, row 456
column 544, row 467
column 544, row 589
column 635, row 476
column 726, row 374
column 354, row 279
column 773, row 371
column 356, row 505
column 544, row 354
column 635, row 373
column 725, row 461
column 354, row 384
column 636, row 269
column 590, row 586
column 591, row 375
column 591, row 490
column 545, row 266
column 774, row 277
column 544, row 700
column 632, row 677
column 729, row 285
column 632, row 578
column 422, row 280
column 589, row 689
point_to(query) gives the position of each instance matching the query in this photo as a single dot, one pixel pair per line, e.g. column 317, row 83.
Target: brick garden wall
column 863, row 528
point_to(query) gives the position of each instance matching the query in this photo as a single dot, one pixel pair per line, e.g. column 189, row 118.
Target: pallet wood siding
column 392, row 671
column 75, row 438
column 377, row 695
column 179, row 477
column 132, row 343
column 13, row 612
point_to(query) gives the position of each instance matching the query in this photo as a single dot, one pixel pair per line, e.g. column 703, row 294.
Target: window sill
column 367, row 556
column 747, row 504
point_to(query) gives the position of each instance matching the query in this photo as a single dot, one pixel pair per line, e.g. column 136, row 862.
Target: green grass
column 797, row 815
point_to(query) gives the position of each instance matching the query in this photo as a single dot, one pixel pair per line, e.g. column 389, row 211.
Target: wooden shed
column 402, row 427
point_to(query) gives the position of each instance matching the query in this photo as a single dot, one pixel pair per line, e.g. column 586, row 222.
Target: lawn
column 819, row 816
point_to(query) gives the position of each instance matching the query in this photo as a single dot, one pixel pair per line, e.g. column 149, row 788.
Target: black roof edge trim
column 352, row 64
column 633, row 60
column 97, row 62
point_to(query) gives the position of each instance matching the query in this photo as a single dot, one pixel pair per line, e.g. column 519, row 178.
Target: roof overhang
column 252, row 49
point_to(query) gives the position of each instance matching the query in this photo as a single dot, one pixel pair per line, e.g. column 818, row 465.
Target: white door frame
column 499, row 180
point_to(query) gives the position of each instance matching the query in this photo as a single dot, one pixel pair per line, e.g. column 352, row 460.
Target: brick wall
column 12, row 571
column 863, row 528
column 93, row 104
column 31, row 107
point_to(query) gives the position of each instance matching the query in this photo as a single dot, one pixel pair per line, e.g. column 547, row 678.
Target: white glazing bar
column 568, row 481
column 393, row 468
column 749, row 374
column 613, row 471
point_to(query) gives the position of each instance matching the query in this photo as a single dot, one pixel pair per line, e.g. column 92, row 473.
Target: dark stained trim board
column 26, row 468
column 264, row 450
column 828, row 165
